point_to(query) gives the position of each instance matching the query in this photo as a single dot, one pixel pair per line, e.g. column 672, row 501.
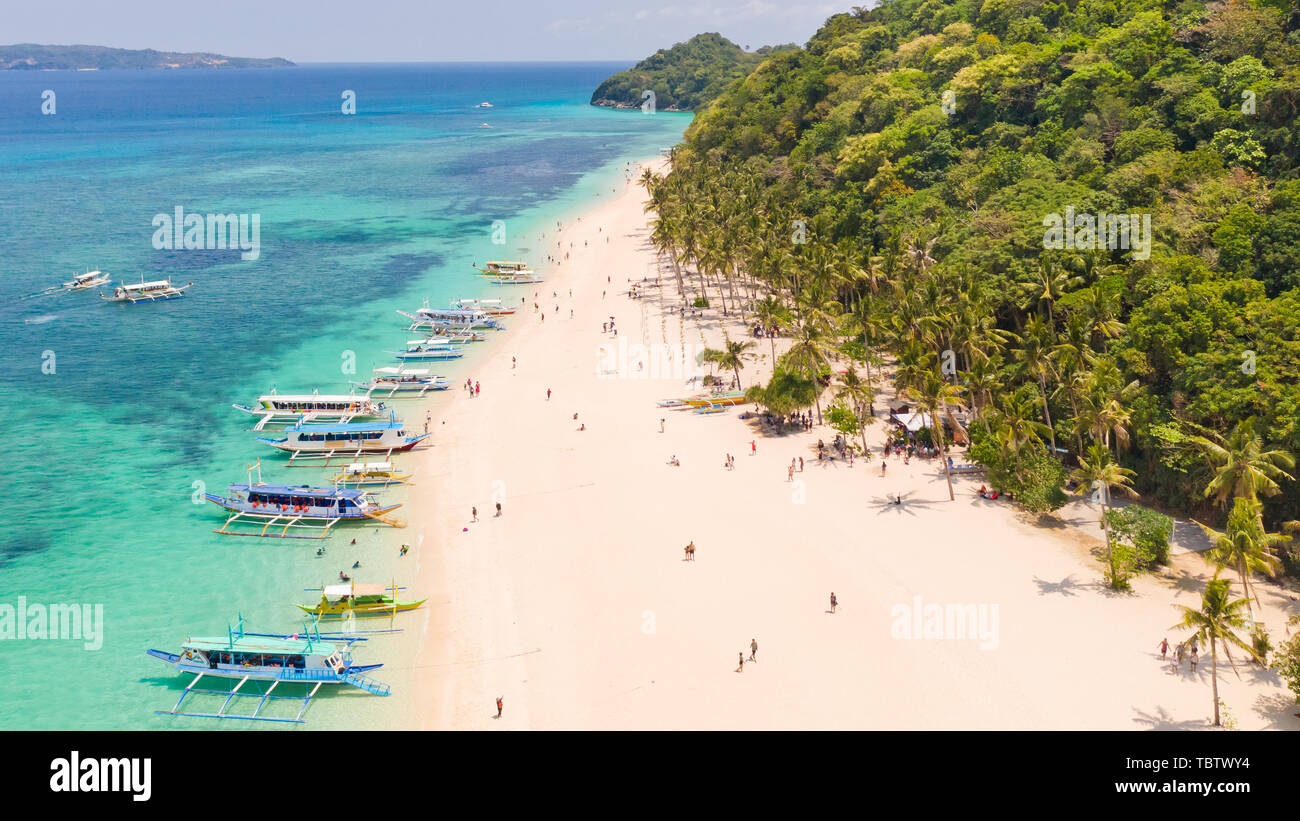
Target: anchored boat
column 349, row 599
column 156, row 291
column 274, row 408
column 424, row 350
column 391, row 382
column 468, row 319
column 308, row 659
column 500, row 268
column 343, row 442
column 491, row 307
column 370, row 474
column 273, row 511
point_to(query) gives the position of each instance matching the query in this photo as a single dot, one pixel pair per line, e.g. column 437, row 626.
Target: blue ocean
column 115, row 418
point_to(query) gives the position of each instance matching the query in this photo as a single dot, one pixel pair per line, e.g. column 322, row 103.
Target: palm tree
column 934, row 394
column 1035, row 361
column 1242, row 466
column 1217, row 620
column 1244, row 544
column 1100, row 473
column 732, row 356
column 773, row 315
column 860, row 396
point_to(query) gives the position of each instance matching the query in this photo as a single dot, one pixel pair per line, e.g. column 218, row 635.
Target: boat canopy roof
column 364, row 467
column 147, row 286
column 335, row 591
column 312, row 397
column 402, row 371
column 260, row 644
column 348, row 427
column 303, row 490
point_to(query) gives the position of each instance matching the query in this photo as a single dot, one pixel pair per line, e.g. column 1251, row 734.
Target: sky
column 411, row 30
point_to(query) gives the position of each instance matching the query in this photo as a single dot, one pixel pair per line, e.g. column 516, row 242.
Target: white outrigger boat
column 528, row 278
column 370, row 474
column 284, row 511
column 309, row 659
column 466, row 319
column 343, row 443
column 86, row 281
column 491, row 307
column 391, row 383
column 156, row 291
column 275, row 408
column 428, row 349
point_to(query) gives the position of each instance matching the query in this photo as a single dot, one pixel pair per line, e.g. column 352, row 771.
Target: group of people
column 1191, row 648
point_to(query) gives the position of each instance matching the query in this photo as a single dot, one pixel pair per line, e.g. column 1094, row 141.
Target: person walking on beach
column 753, row 649
column 661, row 426
column 513, row 363
column 500, row 705
column 753, row 447
column 1178, row 657
column 801, row 464
column 834, row 601
column 474, row 510
column 548, row 394
column 1194, row 652
column 741, row 668
column 498, row 508
column 1164, row 648
column 690, row 551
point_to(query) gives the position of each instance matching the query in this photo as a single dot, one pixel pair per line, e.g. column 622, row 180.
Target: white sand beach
column 576, row 606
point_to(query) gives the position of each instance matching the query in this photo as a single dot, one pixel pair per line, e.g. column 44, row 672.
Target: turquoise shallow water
column 112, row 414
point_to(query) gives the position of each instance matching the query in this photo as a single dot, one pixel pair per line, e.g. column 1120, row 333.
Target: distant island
column 684, row 77
column 32, row 57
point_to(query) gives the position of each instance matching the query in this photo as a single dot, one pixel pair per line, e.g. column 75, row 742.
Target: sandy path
column 578, row 608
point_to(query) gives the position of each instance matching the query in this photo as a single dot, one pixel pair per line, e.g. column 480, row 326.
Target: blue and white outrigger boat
column 273, row 511
column 309, row 659
column 393, row 382
column 419, row 350
column 330, row 445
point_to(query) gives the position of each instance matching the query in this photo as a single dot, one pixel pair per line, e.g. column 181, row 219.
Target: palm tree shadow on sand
column 1161, row 720
column 885, row 504
column 1065, row 587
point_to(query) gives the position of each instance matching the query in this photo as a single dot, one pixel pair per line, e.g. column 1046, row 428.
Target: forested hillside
column 978, row 178
column 684, row 77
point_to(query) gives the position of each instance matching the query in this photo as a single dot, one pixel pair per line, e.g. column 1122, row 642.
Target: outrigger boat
column 272, row 511
column 86, row 281
column 528, row 278
column 308, row 659
column 370, row 474
column 721, row 400
column 392, row 382
column 275, row 408
column 491, row 307
column 499, row 268
column 343, row 443
column 452, row 318
column 349, row 599
column 420, row 350
column 156, row 291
